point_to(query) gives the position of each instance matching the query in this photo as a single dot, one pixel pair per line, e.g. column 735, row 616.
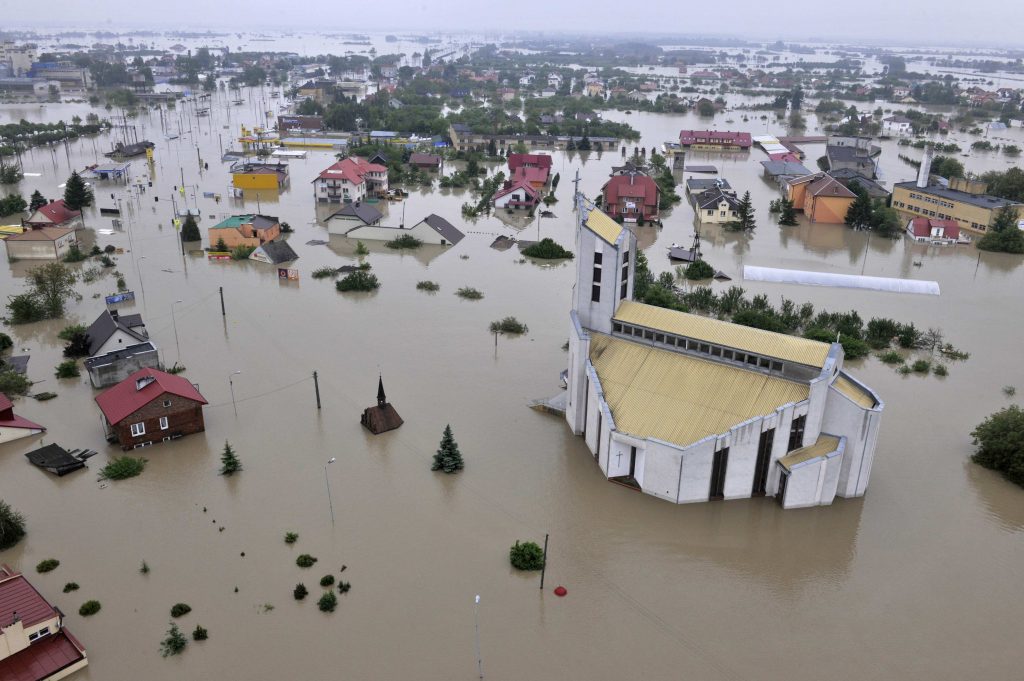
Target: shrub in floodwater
column 144, row 568
column 12, row 526
column 122, row 467
column 699, row 269
column 242, row 252
column 406, row 241
column 343, row 587
column 431, row 286
column 1009, row 390
column 89, row 608
column 903, row 370
column 70, row 331
column 469, row 293
column 327, row 581
column 328, row 602
column 200, row 633
column 291, row 537
column 891, row 357
column 921, row 366
column 324, row 272
column 299, row 592
column 180, row 609
column 360, row 280
column 305, row 560
column 509, row 325
column 361, row 248
column 940, row 370
column 526, row 556
column 174, row 642
column 47, row 565
column 70, row 586
column 547, row 249
column 67, row 369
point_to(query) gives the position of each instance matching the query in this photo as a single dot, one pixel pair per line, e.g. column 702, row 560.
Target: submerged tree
column 174, row 643
column 1003, row 235
column 448, row 457
column 229, row 461
column 744, row 221
column 859, row 214
column 788, row 214
column 1000, row 442
column 12, row 526
column 37, row 201
column 77, row 194
column 190, row 230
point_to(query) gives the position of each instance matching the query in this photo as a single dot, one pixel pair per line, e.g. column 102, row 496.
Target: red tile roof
column 631, row 186
column 530, row 174
column 8, row 419
column 923, row 227
column 535, row 160
column 18, row 596
column 43, row 658
column 351, row 169
column 519, row 184
column 740, row 139
column 57, row 212
column 123, row 399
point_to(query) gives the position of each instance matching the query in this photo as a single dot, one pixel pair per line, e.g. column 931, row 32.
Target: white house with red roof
column 12, row 426
column 350, row 179
column 936, row 232
column 55, row 214
column 151, row 406
column 516, row 194
column 34, row 644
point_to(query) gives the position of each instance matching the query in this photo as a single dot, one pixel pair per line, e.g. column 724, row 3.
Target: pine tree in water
column 448, row 458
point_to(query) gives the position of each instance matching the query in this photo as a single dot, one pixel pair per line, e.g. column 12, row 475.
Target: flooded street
column 920, row 579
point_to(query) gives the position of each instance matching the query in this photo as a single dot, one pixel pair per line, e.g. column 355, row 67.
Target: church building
column 689, row 408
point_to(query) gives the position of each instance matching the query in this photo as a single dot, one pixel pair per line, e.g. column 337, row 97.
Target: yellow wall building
column 972, row 209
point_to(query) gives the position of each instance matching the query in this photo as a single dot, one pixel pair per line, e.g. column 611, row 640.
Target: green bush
column 509, row 325
column 547, row 249
column 89, row 608
column 25, row 308
column 67, row 369
column 305, row 560
column 891, row 357
column 327, row 581
column 47, row 565
column 70, row 331
column 921, row 366
column 200, row 633
column 431, row 286
column 174, row 642
column 74, row 254
column 699, row 269
column 469, row 293
column 940, row 370
column 12, row 526
column 361, row 249
column 242, row 252
column 328, row 602
column 291, row 537
column 70, row 586
column 300, row 592
column 343, row 587
column 324, row 272
column 1000, row 443
column 359, row 280
column 13, row 383
column 180, row 609
column 406, row 241
column 123, row 467
column 526, row 556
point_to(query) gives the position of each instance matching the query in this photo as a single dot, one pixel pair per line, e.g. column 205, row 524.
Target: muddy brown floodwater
column 920, row 579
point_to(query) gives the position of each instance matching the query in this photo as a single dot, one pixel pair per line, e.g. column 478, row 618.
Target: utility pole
column 222, row 312
column 316, row 387
column 476, row 621
column 544, row 565
column 576, row 188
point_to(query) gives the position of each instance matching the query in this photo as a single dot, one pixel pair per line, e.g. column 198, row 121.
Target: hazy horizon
column 875, row 22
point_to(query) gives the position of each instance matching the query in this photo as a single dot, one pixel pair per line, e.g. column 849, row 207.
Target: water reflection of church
column 688, row 408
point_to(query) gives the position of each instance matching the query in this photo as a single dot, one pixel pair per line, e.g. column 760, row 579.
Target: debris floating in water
column 561, row 591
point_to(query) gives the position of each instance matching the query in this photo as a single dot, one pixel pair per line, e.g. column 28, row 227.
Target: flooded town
column 421, row 354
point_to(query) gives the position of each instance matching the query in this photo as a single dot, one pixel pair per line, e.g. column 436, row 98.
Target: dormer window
column 141, row 383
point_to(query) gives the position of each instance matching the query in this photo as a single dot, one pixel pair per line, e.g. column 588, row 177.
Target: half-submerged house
column 382, row 417
column 151, row 406
column 12, row 426
column 688, row 408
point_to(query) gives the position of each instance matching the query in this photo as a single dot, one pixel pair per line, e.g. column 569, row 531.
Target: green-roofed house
column 245, row 230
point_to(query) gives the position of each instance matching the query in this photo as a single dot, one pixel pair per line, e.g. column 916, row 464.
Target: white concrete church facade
column 689, row 409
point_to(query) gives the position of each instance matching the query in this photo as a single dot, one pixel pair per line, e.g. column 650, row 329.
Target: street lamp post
column 174, row 322
column 476, row 623
column 327, row 480
column 231, row 384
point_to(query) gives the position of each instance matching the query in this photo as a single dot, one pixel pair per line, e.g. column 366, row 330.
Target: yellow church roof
column 681, row 399
column 736, row 336
column 854, row 392
column 603, row 226
column 825, row 444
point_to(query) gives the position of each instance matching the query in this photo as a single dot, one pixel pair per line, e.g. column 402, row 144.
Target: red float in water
column 560, row 591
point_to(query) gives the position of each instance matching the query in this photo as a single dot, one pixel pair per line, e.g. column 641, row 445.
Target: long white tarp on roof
column 780, row 276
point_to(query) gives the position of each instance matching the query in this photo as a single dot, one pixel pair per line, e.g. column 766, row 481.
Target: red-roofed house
column 938, row 232
column 528, row 161
column 720, row 140
column 151, row 406
column 632, row 196
column 55, row 214
column 34, row 645
column 12, row 426
column 516, row 194
column 350, row 179
column 535, row 177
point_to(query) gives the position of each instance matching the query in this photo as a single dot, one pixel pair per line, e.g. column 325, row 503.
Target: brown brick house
column 151, row 406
